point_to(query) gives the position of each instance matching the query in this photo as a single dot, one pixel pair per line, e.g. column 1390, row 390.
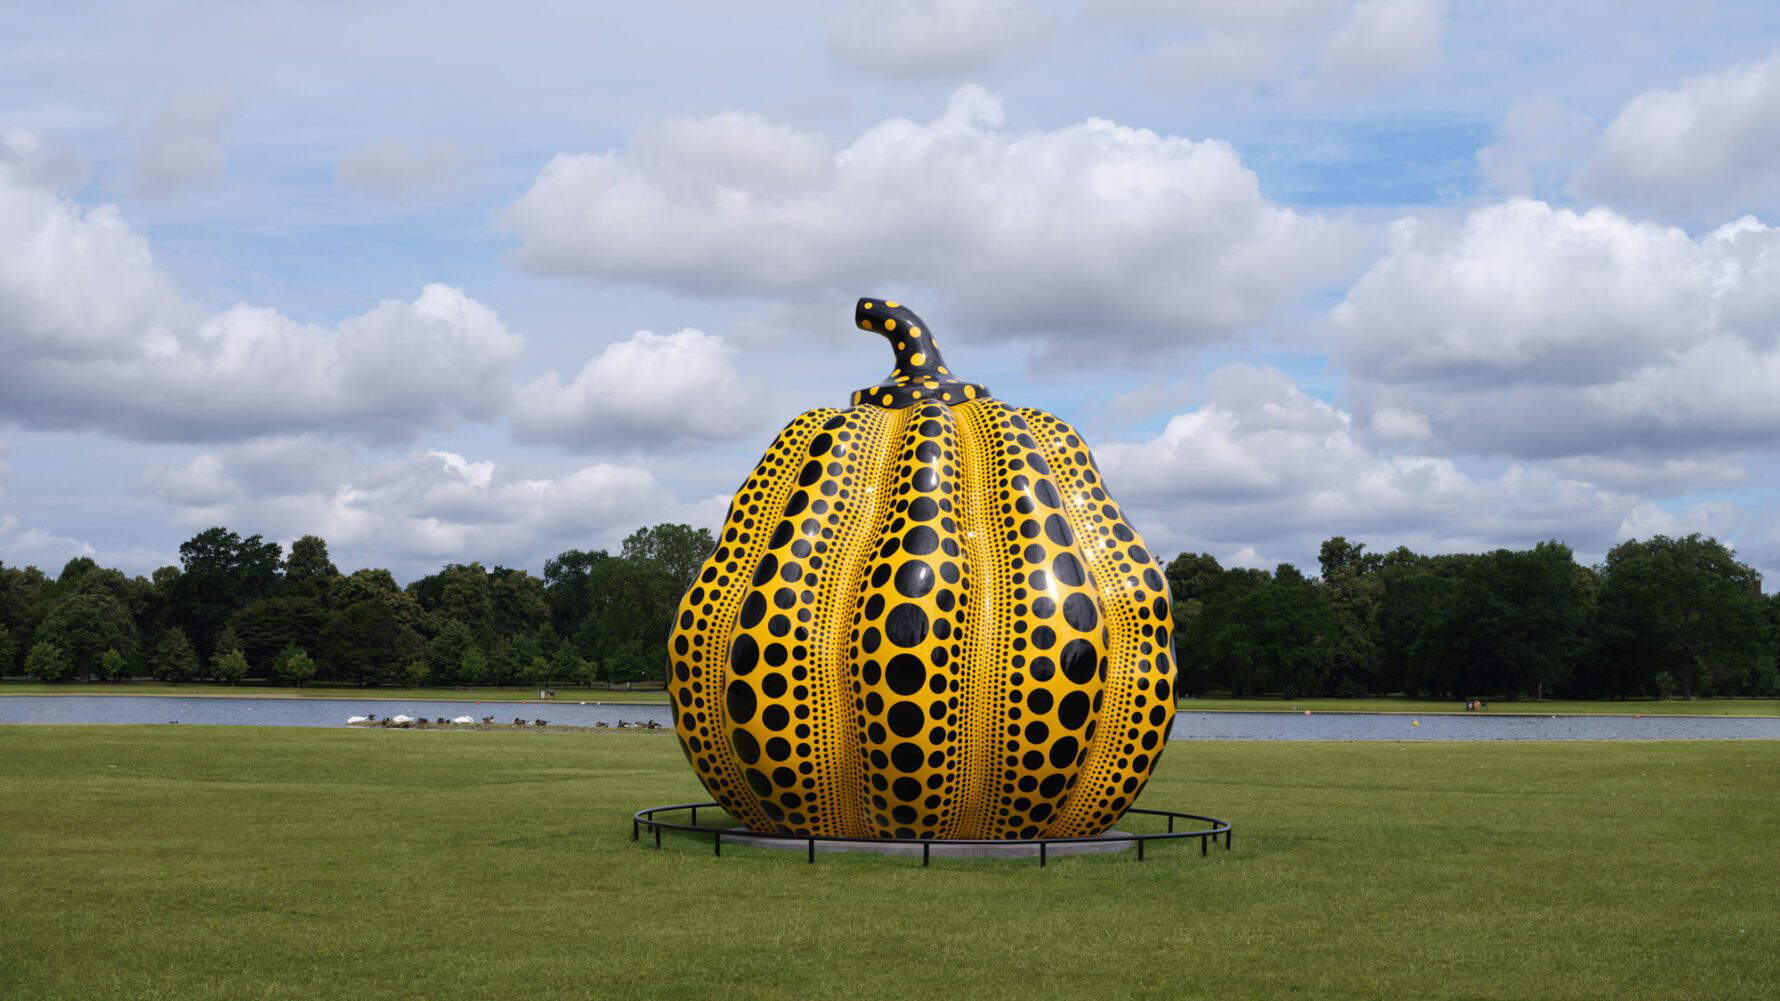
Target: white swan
column 401, row 718
column 463, row 719
column 357, row 719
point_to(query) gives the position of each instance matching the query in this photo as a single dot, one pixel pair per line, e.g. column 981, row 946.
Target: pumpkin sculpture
column 925, row 618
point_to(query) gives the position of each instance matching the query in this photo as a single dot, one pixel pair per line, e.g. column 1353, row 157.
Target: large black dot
column 764, row 572
column 906, row 719
column 908, row 757
column 905, row 674
column 1047, row 493
column 914, row 579
column 1079, row 612
column 741, row 701
column 811, row 471
column 1044, row 637
column 744, row 654
column 1063, row 752
column 925, row 480
column 820, row 443
column 775, row 717
column 746, row 747
column 758, row 781
column 752, row 610
column 922, row 509
column 1068, row 570
column 1072, row 712
column 1058, row 530
column 906, row 625
column 920, row 540
column 1079, row 661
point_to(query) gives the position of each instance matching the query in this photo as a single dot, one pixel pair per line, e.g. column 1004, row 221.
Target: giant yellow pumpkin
column 925, row 618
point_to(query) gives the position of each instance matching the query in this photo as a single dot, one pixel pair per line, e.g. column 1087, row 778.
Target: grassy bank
column 320, row 692
column 197, row 862
column 1648, row 707
column 1561, row 707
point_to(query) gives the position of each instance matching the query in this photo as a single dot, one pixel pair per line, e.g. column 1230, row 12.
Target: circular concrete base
column 1011, row 849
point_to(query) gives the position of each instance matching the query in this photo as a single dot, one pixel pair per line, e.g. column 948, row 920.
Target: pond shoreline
column 1184, row 705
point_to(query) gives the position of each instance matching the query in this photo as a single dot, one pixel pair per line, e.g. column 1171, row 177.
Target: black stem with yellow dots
column 920, row 374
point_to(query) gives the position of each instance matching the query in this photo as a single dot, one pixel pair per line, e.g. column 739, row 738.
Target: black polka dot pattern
column 925, row 618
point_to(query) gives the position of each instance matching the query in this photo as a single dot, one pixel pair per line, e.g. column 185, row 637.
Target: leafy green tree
column 565, row 587
column 674, row 549
column 1354, row 592
column 1686, row 606
column 473, row 666
column 368, row 643
column 270, row 625
column 447, row 655
column 230, row 666
column 113, row 666
column 630, row 612
column 86, row 624
column 222, row 573
column 293, row 666
column 9, row 650
column 308, row 572
column 174, row 658
column 49, row 662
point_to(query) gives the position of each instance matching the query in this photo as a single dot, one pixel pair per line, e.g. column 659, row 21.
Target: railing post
column 633, row 828
column 1041, row 853
column 1229, row 832
column 1202, row 845
column 658, row 836
column 717, row 843
column 1140, row 849
column 812, row 851
column 1171, row 823
column 695, row 816
column 926, row 853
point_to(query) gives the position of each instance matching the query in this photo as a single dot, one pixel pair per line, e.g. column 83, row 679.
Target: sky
column 441, row 282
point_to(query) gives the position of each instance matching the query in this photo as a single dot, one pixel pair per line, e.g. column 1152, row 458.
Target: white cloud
column 916, row 38
column 1539, row 144
column 646, row 390
column 32, row 160
column 1533, row 331
column 1703, row 151
column 394, row 169
column 183, row 145
column 1381, row 41
column 415, row 510
column 1307, row 48
column 1095, row 227
column 1262, row 467
column 97, row 336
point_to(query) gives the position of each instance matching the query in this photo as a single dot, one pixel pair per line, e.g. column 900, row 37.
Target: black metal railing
column 646, row 819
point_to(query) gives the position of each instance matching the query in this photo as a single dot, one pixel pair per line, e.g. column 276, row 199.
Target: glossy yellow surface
column 925, row 622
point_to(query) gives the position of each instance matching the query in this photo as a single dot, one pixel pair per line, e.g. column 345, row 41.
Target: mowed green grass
column 1561, row 707
column 196, row 862
column 650, row 696
column 1393, row 704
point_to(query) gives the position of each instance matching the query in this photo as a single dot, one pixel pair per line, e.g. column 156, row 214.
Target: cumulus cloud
column 1307, row 48
column 1534, row 331
column 899, row 38
column 32, row 160
column 183, row 145
column 1539, row 144
column 1383, row 40
column 650, row 389
column 97, row 336
column 394, row 169
column 1703, row 151
column 1263, row 471
column 1140, row 239
column 417, row 509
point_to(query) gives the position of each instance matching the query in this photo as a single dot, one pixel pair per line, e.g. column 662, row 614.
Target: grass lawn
column 199, row 862
column 1672, row 707
column 1648, row 707
column 509, row 694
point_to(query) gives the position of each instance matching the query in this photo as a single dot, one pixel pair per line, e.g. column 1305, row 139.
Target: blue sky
column 441, row 285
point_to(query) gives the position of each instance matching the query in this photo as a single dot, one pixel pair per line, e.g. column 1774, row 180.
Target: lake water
column 1187, row 725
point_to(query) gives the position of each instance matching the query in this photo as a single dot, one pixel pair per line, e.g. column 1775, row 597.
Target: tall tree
column 674, row 549
column 222, row 572
column 308, row 572
column 1685, row 606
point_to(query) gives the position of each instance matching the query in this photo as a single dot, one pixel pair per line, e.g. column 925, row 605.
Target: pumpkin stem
column 920, row 372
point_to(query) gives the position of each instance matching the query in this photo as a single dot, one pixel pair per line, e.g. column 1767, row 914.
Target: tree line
column 240, row 607
column 1657, row 617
